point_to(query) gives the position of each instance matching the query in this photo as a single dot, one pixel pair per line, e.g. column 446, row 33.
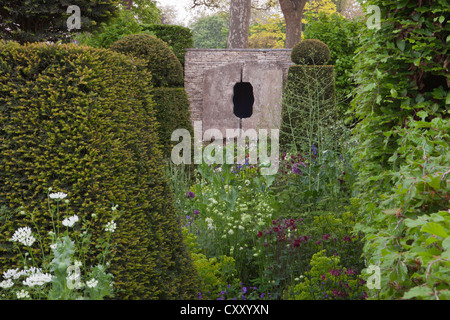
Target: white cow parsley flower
column 5, row 284
column 22, row 294
column 69, row 222
column 37, row 279
column 110, row 226
column 57, row 195
column 92, row 283
column 24, row 236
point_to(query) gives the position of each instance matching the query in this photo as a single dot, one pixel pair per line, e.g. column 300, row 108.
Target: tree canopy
column 46, row 20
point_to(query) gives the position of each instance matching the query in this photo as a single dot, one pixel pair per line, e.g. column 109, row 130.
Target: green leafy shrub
column 215, row 274
column 178, row 38
column 328, row 280
column 122, row 25
column 164, row 66
column 211, row 31
column 403, row 146
column 81, row 120
column 172, row 112
column 342, row 37
column 310, row 52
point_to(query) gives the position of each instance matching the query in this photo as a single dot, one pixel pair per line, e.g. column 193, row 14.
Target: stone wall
column 210, row 75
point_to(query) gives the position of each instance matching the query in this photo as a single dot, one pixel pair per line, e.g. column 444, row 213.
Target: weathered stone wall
column 210, row 75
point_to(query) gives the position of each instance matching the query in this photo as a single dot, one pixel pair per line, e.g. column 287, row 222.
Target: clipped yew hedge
column 164, row 66
column 171, row 100
column 172, row 110
column 81, row 120
column 310, row 52
column 178, row 38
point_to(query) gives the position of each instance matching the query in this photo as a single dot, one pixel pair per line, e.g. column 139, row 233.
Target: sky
column 182, row 7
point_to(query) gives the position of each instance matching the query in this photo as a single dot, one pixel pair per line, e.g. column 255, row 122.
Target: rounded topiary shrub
column 164, row 66
column 81, row 121
column 179, row 38
column 310, row 52
column 171, row 101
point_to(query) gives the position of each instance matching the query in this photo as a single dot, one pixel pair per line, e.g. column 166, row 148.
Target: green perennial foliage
column 402, row 154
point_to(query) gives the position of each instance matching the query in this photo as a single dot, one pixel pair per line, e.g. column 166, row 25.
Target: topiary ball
column 310, row 52
column 165, row 67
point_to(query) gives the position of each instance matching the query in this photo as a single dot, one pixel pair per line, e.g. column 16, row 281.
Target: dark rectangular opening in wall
column 243, row 100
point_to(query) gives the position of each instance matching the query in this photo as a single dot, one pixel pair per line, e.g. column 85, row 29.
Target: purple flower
column 314, row 149
column 296, row 169
column 196, row 212
column 244, row 289
column 190, row 194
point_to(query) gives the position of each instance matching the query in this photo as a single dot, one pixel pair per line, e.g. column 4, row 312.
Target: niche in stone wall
column 243, row 100
column 258, row 85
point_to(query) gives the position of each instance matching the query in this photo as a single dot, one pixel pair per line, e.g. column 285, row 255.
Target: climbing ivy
column 401, row 105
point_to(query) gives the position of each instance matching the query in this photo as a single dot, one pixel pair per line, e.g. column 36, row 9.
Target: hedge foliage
column 310, row 52
column 342, row 37
column 178, row 38
column 164, row 66
column 81, row 120
column 402, row 156
column 172, row 103
column 308, row 104
column 172, row 112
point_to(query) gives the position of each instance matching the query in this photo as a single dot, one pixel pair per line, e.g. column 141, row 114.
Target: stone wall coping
column 237, row 49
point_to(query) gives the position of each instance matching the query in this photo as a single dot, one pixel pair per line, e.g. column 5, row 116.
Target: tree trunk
column 293, row 13
column 240, row 11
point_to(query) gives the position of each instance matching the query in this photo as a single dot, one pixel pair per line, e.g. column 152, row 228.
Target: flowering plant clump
column 270, row 226
column 327, row 280
column 58, row 275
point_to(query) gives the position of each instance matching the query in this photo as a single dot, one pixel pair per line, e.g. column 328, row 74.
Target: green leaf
column 401, row 45
column 418, row 292
column 446, row 243
column 447, row 100
column 394, row 93
column 434, row 182
column 435, row 228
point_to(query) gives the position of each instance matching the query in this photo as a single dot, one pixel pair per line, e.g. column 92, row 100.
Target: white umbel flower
column 57, row 195
column 69, row 222
column 24, row 236
column 37, row 279
column 12, row 274
column 5, row 284
column 110, row 226
column 92, row 283
column 23, row 294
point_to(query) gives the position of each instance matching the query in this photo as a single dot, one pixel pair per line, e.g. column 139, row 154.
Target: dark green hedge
column 310, row 52
column 81, row 120
column 172, row 112
column 307, row 87
column 178, row 38
column 171, row 101
column 164, row 66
